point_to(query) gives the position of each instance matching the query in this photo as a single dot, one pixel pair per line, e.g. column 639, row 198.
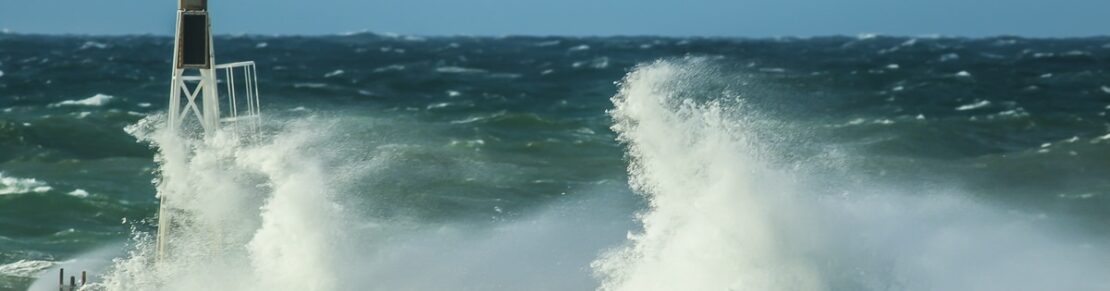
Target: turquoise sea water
column 871, row 163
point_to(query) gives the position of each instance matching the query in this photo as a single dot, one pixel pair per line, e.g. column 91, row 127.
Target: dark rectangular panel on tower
column 194, row 41
column 193, row 5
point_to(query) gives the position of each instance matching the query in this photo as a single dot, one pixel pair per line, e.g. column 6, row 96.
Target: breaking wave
column 246, row 215
column 726, row 214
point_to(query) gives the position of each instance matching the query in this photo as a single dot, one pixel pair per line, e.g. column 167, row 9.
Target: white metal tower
column 195, row 90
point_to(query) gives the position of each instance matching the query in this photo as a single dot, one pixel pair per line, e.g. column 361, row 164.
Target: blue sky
column 751, row 18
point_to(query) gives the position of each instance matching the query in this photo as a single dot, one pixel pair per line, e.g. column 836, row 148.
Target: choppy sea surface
column 559, row 163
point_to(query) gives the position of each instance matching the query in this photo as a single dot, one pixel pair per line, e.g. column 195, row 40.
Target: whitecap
column 863, row 36
column 97, row 100
column 1019, row 112
column 459, row 70
column 79, row 193
column 437, row 105
column 1076, row 196
column 390, row 68
column 893, row 66
column 261, row 45
column 469, row 120
column 579, row 48
column 93, row 44
column 473, row 119
column 1076, row 53
column 963, row 74
column 144, row 104
column 453, row 93
column 1043, row 55
column 309, row 85
column 334, row 73
column 949, row 57
column 467, row 143
column 549, row 43
column 25, row 268
column 1105, row 89
column 1, row 73
column 973, row 106
column 12, row 185
column 597, row 63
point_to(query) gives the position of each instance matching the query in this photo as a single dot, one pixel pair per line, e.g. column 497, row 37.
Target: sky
column 741, row 18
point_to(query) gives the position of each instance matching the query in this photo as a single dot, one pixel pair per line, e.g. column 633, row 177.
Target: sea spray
column 727, row 213
column 708, row 226
column 246, row 215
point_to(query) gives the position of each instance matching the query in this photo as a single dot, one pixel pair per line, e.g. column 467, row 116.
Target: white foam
column 459, row 70
column 1105, row 89
column 390, row 68
column 438, row 105
column 79, row 193
column 251, row 216
column 579, row 48
column 93, row 45
column 866, row 36
column 973, row 106
column 261, row 45
column 963, row 74
column 95, row 100
column 334, row 73
column 25, row 268
column 720, row 217
column 13, row 185
column 596, row 63
column 310, row 85
column 949, row 57
column 704, row 230
column 548, row 43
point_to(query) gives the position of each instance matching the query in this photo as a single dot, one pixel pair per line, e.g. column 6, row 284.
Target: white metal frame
column 203, row 87
column 249, row 88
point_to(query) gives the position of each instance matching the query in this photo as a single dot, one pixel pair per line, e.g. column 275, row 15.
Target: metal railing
column 242, row 102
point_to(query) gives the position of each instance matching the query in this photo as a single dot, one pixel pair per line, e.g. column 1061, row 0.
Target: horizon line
column 398, row 35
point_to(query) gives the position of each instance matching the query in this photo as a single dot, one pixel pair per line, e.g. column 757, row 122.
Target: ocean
column 390, row 162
